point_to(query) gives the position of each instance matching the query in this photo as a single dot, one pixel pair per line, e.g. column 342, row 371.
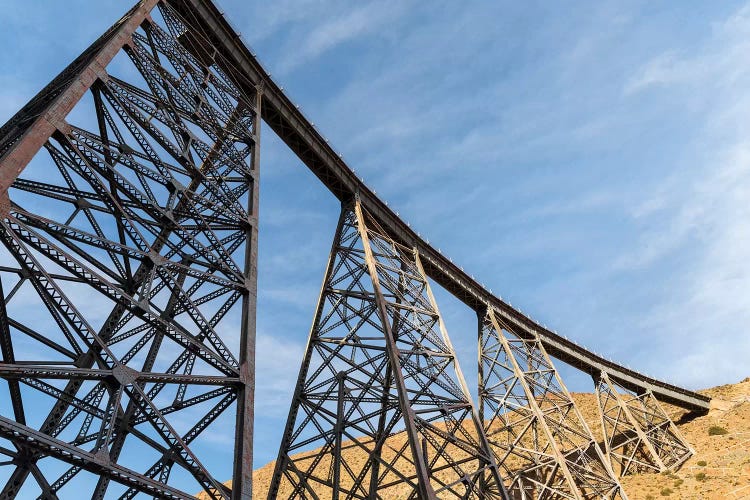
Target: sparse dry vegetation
column 717, row 430
column 720, row 470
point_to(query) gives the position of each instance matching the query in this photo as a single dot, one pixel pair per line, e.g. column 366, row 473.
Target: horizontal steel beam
column 94, row 463
column 121, row 373
column 280, row 113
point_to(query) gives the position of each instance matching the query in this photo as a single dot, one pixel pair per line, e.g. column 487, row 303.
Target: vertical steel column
column 242, row 479
column 423, row 476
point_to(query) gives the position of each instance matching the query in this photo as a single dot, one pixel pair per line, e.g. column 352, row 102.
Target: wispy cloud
column 587, row 162
column 313, row 28
column 662, row 70
column 278, row 360
column 714, row 64
column 700, row 217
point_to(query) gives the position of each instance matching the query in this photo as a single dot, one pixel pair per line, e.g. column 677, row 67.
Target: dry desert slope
column 719, row 470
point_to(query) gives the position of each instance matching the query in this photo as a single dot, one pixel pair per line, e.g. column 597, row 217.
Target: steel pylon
column 541, row 442
column 639, row 436
column 381, row 409
column 127, row 292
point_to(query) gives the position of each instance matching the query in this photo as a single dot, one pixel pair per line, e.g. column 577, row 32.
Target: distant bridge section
column 280, row 113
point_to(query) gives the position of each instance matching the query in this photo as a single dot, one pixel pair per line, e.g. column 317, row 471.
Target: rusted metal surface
column 149, row 214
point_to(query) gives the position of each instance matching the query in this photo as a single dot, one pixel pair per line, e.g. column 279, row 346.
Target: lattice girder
column 129, row 238
column 542, row 444
column 128, row 247
column 380, row 379
column 639, row 436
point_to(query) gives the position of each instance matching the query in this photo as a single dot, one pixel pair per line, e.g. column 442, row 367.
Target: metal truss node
column 380, row 380
column 638, row 434
column 540, row 440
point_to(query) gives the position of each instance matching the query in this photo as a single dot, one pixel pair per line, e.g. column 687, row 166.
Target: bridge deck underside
column 280, row 113
column 300, row 135
column 226, row 133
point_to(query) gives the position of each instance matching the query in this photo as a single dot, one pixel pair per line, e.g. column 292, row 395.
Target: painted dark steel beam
column 96, row 464
column 18, row 371
column 27, row 131
column 200, row 257
column 280, row 113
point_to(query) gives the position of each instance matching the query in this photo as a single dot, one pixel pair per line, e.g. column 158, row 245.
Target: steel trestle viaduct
column 129, row 203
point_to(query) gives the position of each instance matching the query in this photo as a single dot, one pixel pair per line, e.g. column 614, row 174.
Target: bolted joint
column 175, row 186
column 83, row 203
column 124, row 375
column 125, row 149
column 142, row 307
column 156, row 259
column 84, row 360
column 102, row 456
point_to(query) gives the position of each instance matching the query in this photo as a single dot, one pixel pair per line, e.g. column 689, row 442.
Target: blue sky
column 588, row 161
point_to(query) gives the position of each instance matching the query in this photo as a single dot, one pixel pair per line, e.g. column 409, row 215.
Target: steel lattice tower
column 380, row 377
column 638, row 434
column 541, row 440
column 138, row 195
column 129, row 192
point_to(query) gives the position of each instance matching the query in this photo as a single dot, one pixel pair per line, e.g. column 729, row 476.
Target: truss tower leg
column 380, row 379
column 638, row 434
column 128, row 231
column 541, row 442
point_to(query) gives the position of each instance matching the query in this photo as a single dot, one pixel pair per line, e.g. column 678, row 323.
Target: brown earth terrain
column 720, row 469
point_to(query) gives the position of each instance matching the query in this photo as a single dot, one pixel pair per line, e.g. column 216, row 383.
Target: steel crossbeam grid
column 380, row 380
column 129, row 199
column 539, row 437
column 639, row 436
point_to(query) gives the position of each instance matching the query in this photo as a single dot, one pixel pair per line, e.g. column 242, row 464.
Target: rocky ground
column 719, row 470
column 721, row 467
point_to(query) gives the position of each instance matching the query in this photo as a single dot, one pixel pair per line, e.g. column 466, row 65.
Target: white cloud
column 339, row 26
column 277, row 367
column 703, row 211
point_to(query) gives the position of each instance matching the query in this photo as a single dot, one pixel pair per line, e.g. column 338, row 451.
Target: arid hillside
column 719, row 470
column 721, row 467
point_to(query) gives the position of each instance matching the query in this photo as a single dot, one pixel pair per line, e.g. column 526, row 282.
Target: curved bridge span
column 128, row 226
column 281, row 114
